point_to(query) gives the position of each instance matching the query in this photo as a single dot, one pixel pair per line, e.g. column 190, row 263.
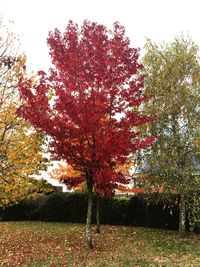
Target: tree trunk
column 182, row 215
column 97, row 214
column 89, row 218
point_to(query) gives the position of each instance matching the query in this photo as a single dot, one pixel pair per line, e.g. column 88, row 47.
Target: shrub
column 161, row 212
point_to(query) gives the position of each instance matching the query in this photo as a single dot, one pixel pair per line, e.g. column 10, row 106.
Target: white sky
column 159, row 20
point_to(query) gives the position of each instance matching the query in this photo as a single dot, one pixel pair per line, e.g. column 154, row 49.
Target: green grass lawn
column 63, row 244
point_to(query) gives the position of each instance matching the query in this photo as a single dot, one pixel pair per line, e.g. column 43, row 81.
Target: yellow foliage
column 64, row 171
column 125, row 168
column 20, row 146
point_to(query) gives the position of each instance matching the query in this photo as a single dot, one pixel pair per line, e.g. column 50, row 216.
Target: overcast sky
column 159, row 20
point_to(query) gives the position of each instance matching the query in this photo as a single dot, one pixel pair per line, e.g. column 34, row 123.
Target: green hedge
column 71, row 207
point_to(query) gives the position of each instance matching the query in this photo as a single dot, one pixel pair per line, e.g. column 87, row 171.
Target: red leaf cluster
column 95, row 85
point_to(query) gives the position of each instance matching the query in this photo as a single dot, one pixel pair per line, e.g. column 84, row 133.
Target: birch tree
column 172, row 74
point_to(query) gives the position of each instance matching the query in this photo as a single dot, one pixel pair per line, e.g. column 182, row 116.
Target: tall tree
column 172, row 76
column 20, row 147
column 85, row 104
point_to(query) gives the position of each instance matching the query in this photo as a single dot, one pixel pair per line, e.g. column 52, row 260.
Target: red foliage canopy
column 96, row 90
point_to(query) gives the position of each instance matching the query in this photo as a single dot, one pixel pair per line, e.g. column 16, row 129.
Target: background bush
column 72, row 207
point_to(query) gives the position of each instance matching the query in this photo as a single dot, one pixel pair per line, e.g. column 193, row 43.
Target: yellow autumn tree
column 65, row 173
column 21, row 148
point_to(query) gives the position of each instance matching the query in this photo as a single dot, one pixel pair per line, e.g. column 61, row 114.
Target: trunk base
column 90, row 244
column 98, row 229
column 88, row 233
column 182, row 215
column 97, row 215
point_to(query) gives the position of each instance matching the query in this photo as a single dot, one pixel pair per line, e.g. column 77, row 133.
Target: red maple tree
column 88, row 104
